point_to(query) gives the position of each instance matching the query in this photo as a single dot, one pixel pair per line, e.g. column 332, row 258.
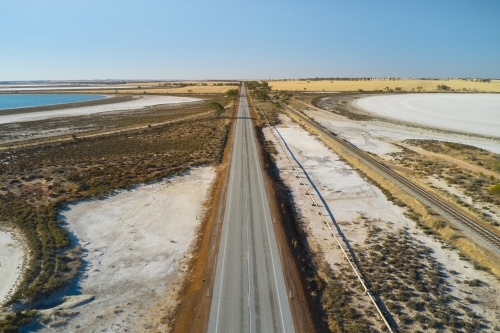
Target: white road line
column 225, row 241
column 248, row 265
column 268, row 236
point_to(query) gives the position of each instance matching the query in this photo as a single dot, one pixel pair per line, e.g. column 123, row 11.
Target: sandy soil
column 475, row 113
column 138, row 103
column 11, row 262
column 352, row 200
column 135, row 245
column 407, row 85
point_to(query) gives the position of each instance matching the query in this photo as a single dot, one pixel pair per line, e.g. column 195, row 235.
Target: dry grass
column 373, row 85
column 469, row 154
column 164, row 91
column 162, row 88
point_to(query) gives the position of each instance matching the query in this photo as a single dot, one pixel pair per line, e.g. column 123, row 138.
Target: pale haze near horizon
column 61, row 40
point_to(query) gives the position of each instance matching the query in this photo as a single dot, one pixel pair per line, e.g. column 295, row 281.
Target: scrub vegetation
column 412, row 285
column 470, row 154
column 37, row 181
column 475, row 185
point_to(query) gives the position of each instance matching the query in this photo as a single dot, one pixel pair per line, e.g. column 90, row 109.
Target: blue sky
column 256, row 39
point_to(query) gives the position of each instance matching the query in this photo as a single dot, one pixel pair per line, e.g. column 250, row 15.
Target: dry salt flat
column 377, row 137
column 137, row 103
column 11, row 261
column 135, row 245
column 351, row 198
column 473, row 113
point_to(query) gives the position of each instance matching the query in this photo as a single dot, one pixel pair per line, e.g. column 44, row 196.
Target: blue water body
column 11, row 101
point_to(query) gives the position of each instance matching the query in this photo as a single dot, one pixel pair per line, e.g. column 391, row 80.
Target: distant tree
column 190, row 91
column 419, row 88
column 443, row 87
column 232, row 93
column 218, row 109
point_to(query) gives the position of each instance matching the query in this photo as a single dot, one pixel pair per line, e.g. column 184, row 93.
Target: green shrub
column 495, row 189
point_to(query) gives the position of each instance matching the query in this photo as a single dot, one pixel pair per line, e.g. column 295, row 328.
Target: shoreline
column 108, row 99
column 132, row 104
column 19, row 267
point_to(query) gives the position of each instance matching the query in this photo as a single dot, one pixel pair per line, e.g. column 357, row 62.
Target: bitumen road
column 249, row 292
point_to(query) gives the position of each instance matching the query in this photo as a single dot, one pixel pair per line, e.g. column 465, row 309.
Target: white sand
column 137, row 103
column 376, row 137
column 11, row 260
column 349, row 197
column 134, row 247
column 474, row 113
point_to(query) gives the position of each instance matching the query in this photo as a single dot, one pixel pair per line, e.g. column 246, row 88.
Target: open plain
column 382, row 85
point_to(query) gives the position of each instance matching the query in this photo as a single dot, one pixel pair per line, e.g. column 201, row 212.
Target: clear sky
column 255, row 39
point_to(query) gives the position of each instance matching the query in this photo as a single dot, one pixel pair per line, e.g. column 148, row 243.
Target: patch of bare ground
column 14, row 255
column 420, row 282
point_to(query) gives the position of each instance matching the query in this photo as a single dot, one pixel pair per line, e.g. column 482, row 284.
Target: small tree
column 218, row 109
column 495, row 189
column 443, row 87
column 232, row 94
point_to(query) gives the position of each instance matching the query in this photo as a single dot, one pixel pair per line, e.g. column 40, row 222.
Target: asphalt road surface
column 249, row 294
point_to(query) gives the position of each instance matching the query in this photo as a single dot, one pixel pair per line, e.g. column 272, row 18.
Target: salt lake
column 11, row 101
column 473, row 113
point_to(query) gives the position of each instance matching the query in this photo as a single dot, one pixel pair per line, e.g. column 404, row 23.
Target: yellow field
column 184, row 90
column 407, row 85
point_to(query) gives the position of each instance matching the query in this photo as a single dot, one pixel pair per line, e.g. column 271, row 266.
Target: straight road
column 249, row 293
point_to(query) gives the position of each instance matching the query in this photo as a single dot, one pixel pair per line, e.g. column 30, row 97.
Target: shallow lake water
column 11, row 101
